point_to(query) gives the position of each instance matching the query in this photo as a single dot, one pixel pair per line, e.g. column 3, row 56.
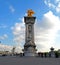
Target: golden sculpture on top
column 30, row 13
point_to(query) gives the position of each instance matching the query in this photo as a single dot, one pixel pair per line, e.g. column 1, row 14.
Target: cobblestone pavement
column 11, row 60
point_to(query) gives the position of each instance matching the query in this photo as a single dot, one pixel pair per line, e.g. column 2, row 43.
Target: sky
column 46, row 29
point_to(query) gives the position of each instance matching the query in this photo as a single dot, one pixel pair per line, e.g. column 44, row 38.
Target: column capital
column 28, row 20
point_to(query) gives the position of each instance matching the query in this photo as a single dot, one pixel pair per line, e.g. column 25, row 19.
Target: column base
column 29, row 54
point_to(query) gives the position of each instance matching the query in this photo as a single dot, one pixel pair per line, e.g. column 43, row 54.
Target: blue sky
column 11, row 20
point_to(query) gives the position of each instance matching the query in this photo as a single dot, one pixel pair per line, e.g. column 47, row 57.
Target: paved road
column 28, row 61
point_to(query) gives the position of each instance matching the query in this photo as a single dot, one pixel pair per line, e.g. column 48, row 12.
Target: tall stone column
column 29, row 47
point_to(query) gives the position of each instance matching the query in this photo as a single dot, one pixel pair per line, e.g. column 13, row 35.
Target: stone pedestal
column 52, row 53
column 29, row 47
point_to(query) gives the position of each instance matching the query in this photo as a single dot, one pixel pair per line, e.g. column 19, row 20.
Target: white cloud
column 18, row 29
column 5, row 47
column 58, row 7
column 47, row 2
column 45, row 31
column 9, row 48
column 57, row 1
column 3, row 37
column 54, row 5
column 18, row 49
column 19, row 33
column 11, row 8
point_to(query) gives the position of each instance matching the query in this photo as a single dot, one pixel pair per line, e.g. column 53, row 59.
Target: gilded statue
column 30, row 13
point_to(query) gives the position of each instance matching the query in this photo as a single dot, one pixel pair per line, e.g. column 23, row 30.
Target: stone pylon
column 29, row 47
